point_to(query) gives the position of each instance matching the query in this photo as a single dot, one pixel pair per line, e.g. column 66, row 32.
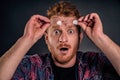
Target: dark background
column 15, row 14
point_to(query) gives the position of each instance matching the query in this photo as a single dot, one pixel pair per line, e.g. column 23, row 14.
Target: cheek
column 52, row 40
column 74, row 41
column 52, row 44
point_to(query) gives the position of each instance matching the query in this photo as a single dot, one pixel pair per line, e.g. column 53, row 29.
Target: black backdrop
column 14, row 15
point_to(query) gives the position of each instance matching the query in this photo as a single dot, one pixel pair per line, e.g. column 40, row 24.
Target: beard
column 63, row 59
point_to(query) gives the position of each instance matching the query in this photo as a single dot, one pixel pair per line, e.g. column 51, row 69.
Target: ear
column 46, row 37
column 81, row 36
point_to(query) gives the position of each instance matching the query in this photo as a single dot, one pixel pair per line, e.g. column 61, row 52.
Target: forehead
column 64, row 21
column 62, row 18
column 67, row 22
column 65, row 26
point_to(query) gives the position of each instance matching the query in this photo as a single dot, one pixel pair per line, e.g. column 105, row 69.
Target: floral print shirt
column 91, row 66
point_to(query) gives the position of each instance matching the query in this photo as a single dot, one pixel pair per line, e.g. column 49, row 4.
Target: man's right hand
column 35, row 27
column 34, row 30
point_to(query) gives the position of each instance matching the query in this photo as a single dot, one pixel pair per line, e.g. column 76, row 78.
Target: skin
column 63, row 36
column 92, row 26
column 35, row 29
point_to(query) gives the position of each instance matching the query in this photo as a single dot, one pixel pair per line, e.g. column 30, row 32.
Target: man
column 62, row 36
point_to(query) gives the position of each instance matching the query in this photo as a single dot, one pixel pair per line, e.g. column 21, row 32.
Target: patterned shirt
column 91, row 66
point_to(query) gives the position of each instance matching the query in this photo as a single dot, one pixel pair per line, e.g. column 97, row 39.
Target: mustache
column 63, row 46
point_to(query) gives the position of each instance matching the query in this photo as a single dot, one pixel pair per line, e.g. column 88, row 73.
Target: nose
column 63, row 38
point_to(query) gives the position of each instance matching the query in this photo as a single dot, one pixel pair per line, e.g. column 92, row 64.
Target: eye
column 57, row 32
column 70, row 31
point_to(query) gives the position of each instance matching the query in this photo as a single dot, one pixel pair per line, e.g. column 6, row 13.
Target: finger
column 45, row 19
column 81, row 19
column 96, row 17
column 45, row 26
column 42, row 30
column 86, row 17
column 88, row 31
column 82, row 25
column 40, row 18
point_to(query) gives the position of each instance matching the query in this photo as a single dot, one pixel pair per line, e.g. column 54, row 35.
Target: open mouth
column 63, row 49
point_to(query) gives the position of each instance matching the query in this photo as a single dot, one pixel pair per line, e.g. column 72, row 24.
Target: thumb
column 41, row 31
column 82, row 25
column 45, row 26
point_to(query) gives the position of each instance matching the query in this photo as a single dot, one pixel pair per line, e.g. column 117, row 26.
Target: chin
column 63, row 59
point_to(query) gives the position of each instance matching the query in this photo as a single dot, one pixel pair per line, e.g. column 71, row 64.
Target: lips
column 64, row 48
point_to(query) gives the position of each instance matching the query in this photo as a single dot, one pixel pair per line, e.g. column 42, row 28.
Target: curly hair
column 66, row 9
column 63, row 8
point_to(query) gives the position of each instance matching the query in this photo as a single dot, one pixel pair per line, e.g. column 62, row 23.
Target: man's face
column 62, row 40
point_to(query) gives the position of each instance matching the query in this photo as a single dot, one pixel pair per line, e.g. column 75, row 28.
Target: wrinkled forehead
column 67, row 20
column 62, row 18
